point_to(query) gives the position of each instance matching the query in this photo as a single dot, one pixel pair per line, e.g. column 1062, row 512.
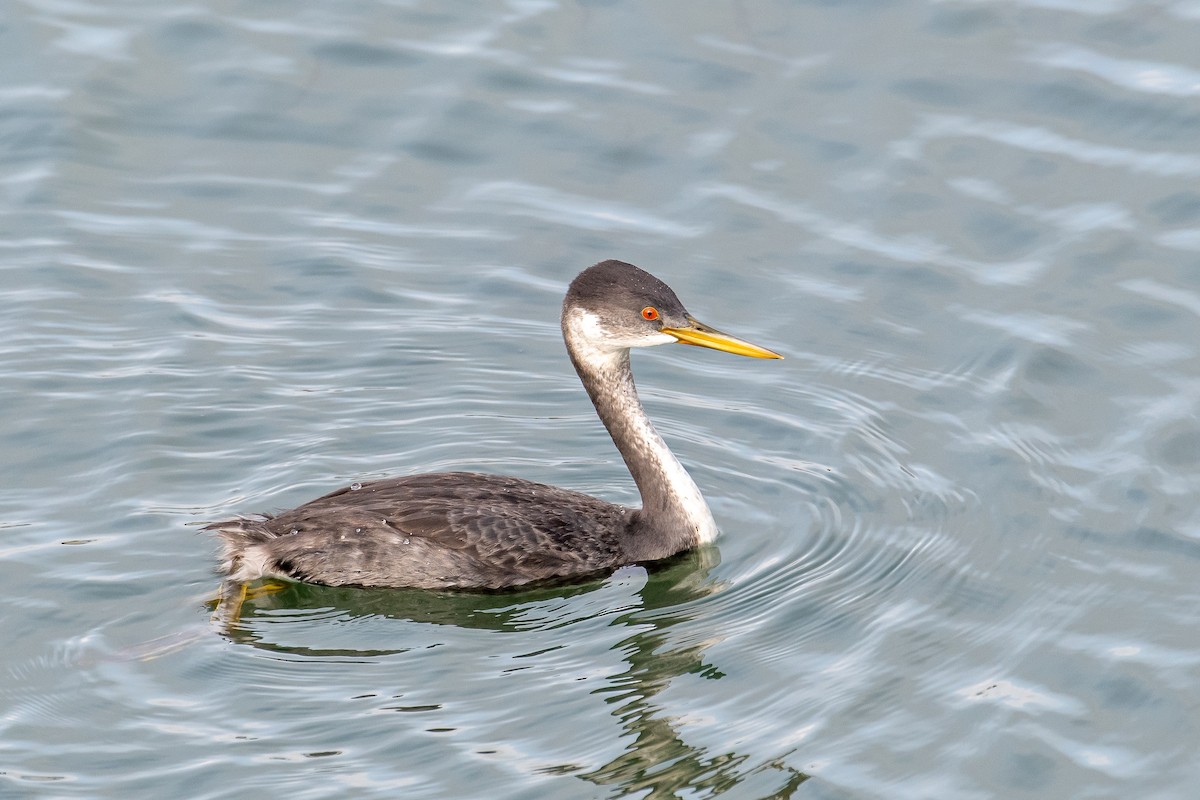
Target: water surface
column 252, row 252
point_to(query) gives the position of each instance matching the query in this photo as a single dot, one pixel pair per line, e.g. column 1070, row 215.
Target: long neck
column 674, row 515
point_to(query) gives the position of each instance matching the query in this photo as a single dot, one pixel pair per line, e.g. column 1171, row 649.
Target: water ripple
column 1042, row 140
column 588, row 213
column 1144, row 76
column 250, row 257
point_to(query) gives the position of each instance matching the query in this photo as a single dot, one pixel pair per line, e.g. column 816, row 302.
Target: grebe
column 463, row 530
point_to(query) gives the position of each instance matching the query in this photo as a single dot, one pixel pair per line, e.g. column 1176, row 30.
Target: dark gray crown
column 612, row 288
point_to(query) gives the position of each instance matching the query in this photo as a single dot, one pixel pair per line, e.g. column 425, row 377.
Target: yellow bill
column 701, row 335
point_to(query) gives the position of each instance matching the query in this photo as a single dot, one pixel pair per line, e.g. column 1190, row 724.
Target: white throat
column 669, row 495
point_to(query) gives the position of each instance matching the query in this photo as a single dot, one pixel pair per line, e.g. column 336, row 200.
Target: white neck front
column 673, row 510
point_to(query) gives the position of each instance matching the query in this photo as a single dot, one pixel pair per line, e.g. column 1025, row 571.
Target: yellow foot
column 229, row 599
column 233, row 594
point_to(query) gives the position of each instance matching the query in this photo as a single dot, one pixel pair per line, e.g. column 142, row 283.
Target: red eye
column 650, row 313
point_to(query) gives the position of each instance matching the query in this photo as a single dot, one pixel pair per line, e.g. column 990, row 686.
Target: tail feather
column 237, row 536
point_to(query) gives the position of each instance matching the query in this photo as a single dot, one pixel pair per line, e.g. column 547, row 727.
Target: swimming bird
column 464, row 530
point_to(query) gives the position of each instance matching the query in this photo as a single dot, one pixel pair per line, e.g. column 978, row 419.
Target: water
column 252, row 252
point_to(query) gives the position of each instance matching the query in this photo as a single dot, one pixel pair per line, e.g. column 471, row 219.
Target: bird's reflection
column 659, row 763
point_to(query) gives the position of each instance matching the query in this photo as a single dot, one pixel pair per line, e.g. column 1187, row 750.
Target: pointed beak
column 701, row 335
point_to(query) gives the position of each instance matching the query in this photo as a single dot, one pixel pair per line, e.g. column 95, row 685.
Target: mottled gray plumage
column 474, row 531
